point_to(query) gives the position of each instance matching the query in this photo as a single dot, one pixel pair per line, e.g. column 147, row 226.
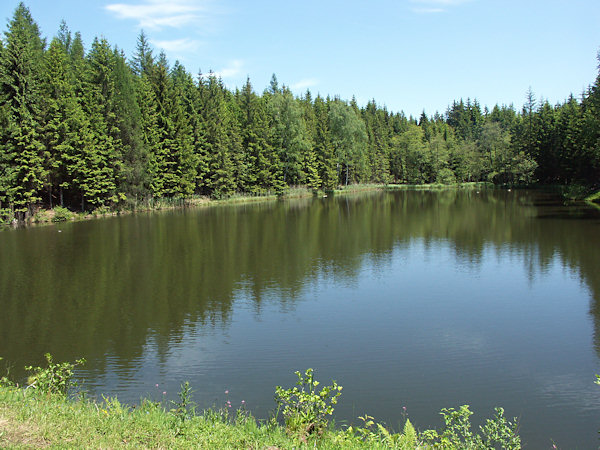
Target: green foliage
column 61, row 214
column 496, row 433
column 575, row 192
column 183, row 410
column 348, row 136
column 4, row 380
column 446, row 176
column 305, row 409
column 594, row 197
column 57, row 378
column 375, row 433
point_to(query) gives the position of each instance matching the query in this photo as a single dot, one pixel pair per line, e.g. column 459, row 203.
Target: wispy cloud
column 435, row 6
column 233, row 69
column 305, row 83
column 177, row 45
column 158, row 14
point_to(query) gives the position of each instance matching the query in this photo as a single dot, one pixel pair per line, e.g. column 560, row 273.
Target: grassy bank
column 61, row 214
column 32, row 419
column 42, row 415
column 29, row 418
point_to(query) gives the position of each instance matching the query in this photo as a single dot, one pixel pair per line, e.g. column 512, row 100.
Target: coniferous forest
column 90, row 128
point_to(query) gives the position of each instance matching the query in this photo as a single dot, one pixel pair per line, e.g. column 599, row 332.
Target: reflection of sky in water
column 419, row 326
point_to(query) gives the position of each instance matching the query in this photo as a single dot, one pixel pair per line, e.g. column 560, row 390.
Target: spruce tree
column 22, row 160
column 133, row 176
column 59, row 129
column 265, row 173
column 220, row 181
column 324, row 150
column 173, row 163
column 101, row 167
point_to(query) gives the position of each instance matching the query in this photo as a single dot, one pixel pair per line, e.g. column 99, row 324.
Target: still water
column 412, row 299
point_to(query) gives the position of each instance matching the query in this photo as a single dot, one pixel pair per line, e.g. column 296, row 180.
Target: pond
column 415, row 299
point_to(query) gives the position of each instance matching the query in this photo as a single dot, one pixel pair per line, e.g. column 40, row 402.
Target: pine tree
column 190, row 98
column 99, row 170
column 133, row 176
column 22, row 160
column 58, row 131
column 221, row 180
column 143, row 60
column 324, row 150
column 173, row 163
column 265, row 173
column 378, row 141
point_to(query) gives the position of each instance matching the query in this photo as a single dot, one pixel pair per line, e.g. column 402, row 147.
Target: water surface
column 412, row 299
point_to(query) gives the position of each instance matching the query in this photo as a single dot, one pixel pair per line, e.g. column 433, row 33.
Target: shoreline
column 58, row 214
column 33, row 417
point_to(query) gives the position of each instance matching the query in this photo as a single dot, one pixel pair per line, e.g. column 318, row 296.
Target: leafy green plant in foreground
column 496, row 433
column 376, row 433
column 305, row 409
column 184, row 409
column 4, row 380
column 57, row 378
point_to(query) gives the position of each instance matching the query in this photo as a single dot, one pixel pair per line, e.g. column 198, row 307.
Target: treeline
column 92, row 129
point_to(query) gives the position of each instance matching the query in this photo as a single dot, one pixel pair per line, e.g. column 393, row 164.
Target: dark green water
column 421, row 300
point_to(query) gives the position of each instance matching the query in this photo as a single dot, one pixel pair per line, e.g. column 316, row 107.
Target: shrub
column 61, row 214
column 57, row 378
column 496, row 433
column 305, row 409
column 446, row 176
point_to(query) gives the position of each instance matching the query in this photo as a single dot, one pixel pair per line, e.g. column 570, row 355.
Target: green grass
column 29, row 419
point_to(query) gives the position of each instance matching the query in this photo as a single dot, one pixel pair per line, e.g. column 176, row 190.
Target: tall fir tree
column 101, row 168
column 265, row 173
column 221, row 181
column 324, row 150
column 173, row 163
column 22, row 156
column 133, row 176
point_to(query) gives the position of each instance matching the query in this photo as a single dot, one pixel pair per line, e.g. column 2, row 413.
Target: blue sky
column 410, row 55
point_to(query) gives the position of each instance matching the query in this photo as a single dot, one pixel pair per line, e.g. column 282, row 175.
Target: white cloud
column 157, row 14
column 177, row 45
column 305, row 83
column 233, row 69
